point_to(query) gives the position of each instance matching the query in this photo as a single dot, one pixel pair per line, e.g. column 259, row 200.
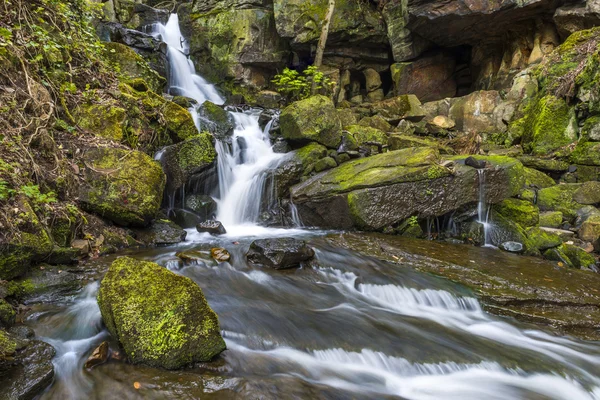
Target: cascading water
column 242, row 165
column 483, row 209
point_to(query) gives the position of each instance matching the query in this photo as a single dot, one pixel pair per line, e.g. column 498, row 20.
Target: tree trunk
column 323, row 40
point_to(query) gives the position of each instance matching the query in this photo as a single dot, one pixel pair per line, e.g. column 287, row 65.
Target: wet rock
column 279, row 253
column 314, row 119
column 512, row 247
column 161, row 232
column 220, row 254
column 216, row 120
column 99, row 356
column 194, row 256
column 542, row 239
column 203, row 206
column 109, row 191
column 212, row 227
column 184, row 218
column 473, row 162
column 160, row 318
column 30, row 370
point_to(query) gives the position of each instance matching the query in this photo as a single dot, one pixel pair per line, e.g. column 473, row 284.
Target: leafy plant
column 5, row 191
column 34, row 194
column 294, row 85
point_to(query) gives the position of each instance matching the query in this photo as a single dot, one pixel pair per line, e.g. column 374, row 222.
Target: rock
column 184, row 218
column 347, row 117
column 504, row 230
column 544, row 164
column 212, row 227
column 191, row 157
column 30, row 245
column 279, row 253
column 562, row 233
column 220, row 254
column 314, row 119
column 543, row 239
column 160, row 318
column 590, row 230
column 361, row 137
column 102, row 120
column 383, row 190
column 7, row 314
column 571, row 18
column 324, row 164
column 99, row 356
column 30, row 369
column 428, row 78
column 576, row 256
column 376, row 121
column 133, row 66
column 551, row 219
column 588, row 193
column 537, row 179
column 522, row 212
column 161, row 232
column 216, row 120
column 399, row 141
column 475, row 112
column 512, row 247
column 109, row 191
column 203, row 206
column 586, row 153
column 194, row 256
column 560, row 198
column 475, row 163
column 397, row 108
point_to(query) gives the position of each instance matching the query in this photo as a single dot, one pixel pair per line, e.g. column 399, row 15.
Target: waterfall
column 483, row 208
column 244, row 164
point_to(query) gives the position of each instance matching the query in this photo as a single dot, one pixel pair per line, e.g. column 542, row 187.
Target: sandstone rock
column 428, row 78
column 161, row 319
column 279, row 253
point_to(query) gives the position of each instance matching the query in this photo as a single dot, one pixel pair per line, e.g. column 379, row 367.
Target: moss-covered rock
column 377, row 122
column 560, row 198
column 537, row 179
column 103, row 120
column 215, row 120
column 313, row 119
column 588, row 193
column 586, row 153
column 178, row 121
column 7, row 314
column 347, row 117
column 132, row 65
column 505, row 173
column 30, row 244
column 358, row 136
column 324, row 164
column 551, row 219
column 182, row 160
column 397, row 108
column 542, row 239
column 544, row 164
column 578, row 257
column 522, row 212
column 160, row 318
column 590, row 229
column 124, row 186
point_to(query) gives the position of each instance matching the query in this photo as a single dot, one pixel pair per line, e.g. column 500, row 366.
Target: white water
column 483, row 209
column 242, row 165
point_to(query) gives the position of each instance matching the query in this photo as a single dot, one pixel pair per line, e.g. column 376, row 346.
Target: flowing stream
column 350, row 328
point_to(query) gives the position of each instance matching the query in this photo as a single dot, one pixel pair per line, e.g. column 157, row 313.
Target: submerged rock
column 220, row 254
column 99, row 356
column 212, row 227
column 512, row 247
column 279, row 253
column 160, row 318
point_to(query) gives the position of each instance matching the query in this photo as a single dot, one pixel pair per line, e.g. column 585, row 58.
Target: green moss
column 586, row 153
column 7, row 345
column 198, row 151
column 551, row 219
column 131, row 65
column 578, row 257
column 105, row 121
column 519, row 211
column 543, row 240
column 537, row 179
column 7, row 314
column 313, row 119
column 179, row 122
column 160, row 318
column 511, row 167
column 109, row 191
column 560, row 198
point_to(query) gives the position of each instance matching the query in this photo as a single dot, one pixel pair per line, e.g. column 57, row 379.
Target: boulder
column 551, row 219
column 102, row 120
column 522, row 212
column 542, row 164
column 133, row 66
column 212, row 227
column 560, row 198
column 542, row 239
column 586, row 153
column 160, row 318
column 313, row 119
column 428, row 78
column 588, row 193
column 161, row 232
column 279, row 253
column 537, row 179
column 383, row 190
column 216, row 120
column 108, row 190
column 220, row 254
column 590, row 230
column 183, row 160
column 397, row 108
column 202, row 205
column 362, row 137
column 99, row 356
column 475, row 112
column 377, row 122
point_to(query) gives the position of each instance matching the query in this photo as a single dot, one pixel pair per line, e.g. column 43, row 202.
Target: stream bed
column 348, row 327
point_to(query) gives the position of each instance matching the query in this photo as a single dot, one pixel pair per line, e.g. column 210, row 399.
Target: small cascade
column 483, row 209
column 295, row 215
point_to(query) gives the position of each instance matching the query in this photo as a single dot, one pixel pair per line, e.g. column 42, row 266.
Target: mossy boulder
column 193, row 156
column 7, row 314
column 347, row 117
column 588, row 193
column 397, row 108
column 324, row 164
column 586, row 153
column 314, row 119
column 132, row 65
column 537, row 179
column 160, row 318
column 178, row 121
column 560, row 198
column 30, row 243
column 358, row 136
column 544, row 164
column 520, row 211
column 543, row 239
column 103, row 120
column 124, row 186
column 216, row 120
column 377, row 122
column 590, row 229
column 551, row 219
column 577, row 256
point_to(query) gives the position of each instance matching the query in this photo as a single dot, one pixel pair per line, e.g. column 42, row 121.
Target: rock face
column 279, row 253
column 314, row 119
column 428, row 78
column 160, row 318
column 383, row 190
column 109, row 191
